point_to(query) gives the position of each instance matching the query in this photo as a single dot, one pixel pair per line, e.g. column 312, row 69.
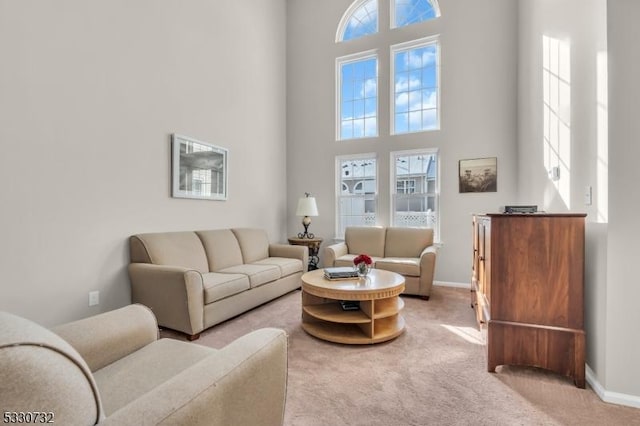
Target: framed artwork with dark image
column 199, row 169
column 478, row 175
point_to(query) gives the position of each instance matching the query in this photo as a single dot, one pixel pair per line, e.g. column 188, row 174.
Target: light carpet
column 433, row 374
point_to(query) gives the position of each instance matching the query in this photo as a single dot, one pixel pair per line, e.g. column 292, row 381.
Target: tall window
column 407, row 12
column 358, row 94
column 414, row 176
column 415, row 86
column 357, row 187
column 414, row 66
column 361, row 19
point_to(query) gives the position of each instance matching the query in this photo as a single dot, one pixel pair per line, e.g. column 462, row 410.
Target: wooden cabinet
column 528, row 290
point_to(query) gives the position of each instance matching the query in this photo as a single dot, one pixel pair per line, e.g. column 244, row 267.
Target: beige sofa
column 194, row 280
column 111, row 369
column 407, row 251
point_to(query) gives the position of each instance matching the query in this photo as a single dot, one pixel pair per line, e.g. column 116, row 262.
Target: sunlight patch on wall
column 556, row 83
column 602, row 161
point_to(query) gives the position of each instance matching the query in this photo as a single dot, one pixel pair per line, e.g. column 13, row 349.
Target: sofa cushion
column 404, row 266
column 258, row 274
column 287, row 265
column 407, row 242
column 254, row 244
column 222, row 248
column 347, row 260
column 169, row 248
column 365, row 240
column 218, row 286
column 134, row 375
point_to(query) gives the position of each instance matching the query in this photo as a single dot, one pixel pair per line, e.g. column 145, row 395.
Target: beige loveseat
column 111, row 369
column 194, row 280
column 407, row 251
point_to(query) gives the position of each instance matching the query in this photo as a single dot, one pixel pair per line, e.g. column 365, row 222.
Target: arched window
column 407, row 12
column 359, row 20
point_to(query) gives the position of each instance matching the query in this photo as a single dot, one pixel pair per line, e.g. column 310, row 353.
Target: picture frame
column 478, row 175
column 200, row 170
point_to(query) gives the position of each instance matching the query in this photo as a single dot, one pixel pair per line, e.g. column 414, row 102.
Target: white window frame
column 342, row 25
column 369, row 54
column 393, row 189
column 338, row 186
column 392, row 76
column 392, row 13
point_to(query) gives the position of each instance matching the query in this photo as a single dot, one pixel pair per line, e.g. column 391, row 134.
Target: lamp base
column 306, row 221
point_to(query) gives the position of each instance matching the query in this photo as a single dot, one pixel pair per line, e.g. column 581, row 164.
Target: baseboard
column 452, row 284
column 608, row 396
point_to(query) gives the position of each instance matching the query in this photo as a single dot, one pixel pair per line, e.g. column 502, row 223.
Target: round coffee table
column 377, row 319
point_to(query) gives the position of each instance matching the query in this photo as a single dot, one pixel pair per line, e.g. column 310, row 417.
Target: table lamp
column 306, row 207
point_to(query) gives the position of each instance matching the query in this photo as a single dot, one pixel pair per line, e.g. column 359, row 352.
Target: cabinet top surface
column 540, row 214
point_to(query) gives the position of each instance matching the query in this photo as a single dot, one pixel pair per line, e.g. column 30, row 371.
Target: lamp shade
column 307, row 207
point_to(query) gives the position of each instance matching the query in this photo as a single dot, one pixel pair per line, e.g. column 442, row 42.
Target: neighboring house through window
column 357, row 186
column 415, row 177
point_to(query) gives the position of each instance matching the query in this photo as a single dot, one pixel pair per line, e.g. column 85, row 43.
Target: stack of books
column 340, row 273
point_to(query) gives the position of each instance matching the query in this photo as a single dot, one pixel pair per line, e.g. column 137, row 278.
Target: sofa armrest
column 427, row 267
column 294, row 252
column 291, row 251
column 334, row 251
column 174, row 294
column 105, row 338
column 243, row 383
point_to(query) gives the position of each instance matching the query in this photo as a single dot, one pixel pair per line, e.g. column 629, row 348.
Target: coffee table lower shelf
column 355, row 333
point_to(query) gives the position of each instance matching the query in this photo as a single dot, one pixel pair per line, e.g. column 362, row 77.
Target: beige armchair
column 112, row 369
column 406, row 251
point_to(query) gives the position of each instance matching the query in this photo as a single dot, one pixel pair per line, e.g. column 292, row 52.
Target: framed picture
column 199, row 170
column 478, row 175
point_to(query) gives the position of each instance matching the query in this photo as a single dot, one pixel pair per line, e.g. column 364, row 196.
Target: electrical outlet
column 94, row 298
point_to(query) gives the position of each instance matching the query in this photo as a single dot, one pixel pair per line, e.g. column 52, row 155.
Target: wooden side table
column 314, row 249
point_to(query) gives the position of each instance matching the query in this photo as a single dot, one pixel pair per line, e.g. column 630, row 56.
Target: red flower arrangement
column 362, row 258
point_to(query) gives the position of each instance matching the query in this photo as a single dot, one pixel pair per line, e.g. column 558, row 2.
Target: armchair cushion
column 140, row 372
column 407, row 242
column 402, row 266
column 365, row 239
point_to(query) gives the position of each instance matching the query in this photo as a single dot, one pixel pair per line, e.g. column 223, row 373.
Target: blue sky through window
column 359, row 96
column 409, row 12
column 416, row 89
column 363, row 21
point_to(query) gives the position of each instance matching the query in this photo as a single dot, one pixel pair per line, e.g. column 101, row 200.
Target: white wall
column 623, row 291
column 478, row 102
column 584, row 38
column 90, row 93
